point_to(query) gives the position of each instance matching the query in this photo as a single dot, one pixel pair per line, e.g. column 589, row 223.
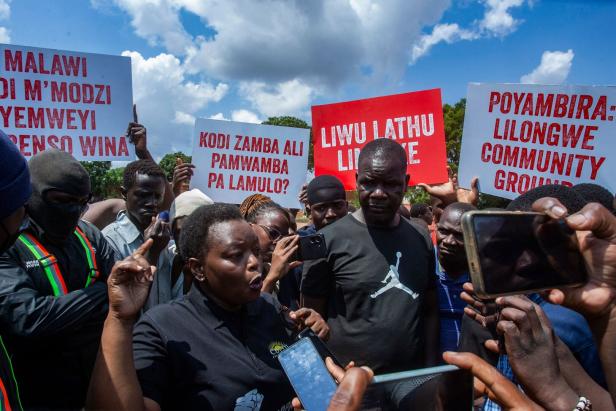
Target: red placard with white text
column 415, row 120
column 76, row 102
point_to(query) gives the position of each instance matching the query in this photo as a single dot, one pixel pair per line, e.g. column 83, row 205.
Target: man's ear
column 196, row 268
column 123, row 191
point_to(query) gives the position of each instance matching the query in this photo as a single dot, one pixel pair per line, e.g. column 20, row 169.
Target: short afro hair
column 594, row 193
column 419, row 209
column 195, row 231
column 386, row 148
column 146, row 167
column 569, row 198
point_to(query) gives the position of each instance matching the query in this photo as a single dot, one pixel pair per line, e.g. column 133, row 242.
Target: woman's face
column 232, row 265
column 265, row 242
column 275, row 222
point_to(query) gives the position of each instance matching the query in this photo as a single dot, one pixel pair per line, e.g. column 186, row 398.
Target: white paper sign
column 234, row 160
column 77, row 102
column 520, row 136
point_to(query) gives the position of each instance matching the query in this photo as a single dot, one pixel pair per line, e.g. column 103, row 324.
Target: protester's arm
column 450, row 192
column 27, row 313
column 182, row 173
column 432, row 324
column 281, row 262
column 579, row 380
column 529, row 343
column 488, row 381
column 103, row 213
column 114, row 384
column 160, row 233
column 596, row 232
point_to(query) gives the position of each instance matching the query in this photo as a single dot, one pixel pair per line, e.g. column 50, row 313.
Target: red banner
column 415, row 120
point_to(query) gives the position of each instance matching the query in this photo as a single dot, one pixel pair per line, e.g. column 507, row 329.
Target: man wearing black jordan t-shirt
column 376, row 284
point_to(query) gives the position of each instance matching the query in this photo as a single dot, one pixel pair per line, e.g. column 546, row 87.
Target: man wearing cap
column 326, row 200
column 183, row 206
column 14, row 191
column 53, row 293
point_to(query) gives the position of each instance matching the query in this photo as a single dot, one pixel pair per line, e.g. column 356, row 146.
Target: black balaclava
column 56, row 170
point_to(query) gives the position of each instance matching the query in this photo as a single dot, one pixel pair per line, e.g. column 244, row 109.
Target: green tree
column 453, row 117
column 98, row 172
column 168, row 162
column 113, row 182
column 288, row 121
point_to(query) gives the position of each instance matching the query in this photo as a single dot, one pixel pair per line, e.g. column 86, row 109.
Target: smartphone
column 443, row 388
column 308, row 375
column 520, row 252
column 320, row 345
column 311, row 247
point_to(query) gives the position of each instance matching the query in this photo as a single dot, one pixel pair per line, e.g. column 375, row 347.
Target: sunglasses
column 273, row 233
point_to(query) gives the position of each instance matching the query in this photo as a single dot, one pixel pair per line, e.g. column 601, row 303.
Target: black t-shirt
column 193, row 355
column 375, row 281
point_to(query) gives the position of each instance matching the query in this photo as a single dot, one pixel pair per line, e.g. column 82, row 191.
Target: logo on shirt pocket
column 276, row 347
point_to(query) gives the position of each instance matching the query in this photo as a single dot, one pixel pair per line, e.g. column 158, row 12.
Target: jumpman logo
column 394, row 281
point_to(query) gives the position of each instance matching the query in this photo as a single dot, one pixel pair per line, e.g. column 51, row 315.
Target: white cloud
column 157, row 21
column 321, row 42
column 5, row 36
column 167, row 101
column 219, row 116
column 245, row 116
column 448, row 33
column 553, row 69
column 5, row 14
column 497, row 21
column 287, row 98
column 242, row 115
column 5, row 9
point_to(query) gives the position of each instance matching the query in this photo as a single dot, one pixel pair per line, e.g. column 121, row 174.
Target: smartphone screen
column 523, row 252
column 444, row 388
column 308, row 375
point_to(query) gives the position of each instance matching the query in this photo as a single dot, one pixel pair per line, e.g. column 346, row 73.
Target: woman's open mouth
column 256, row 283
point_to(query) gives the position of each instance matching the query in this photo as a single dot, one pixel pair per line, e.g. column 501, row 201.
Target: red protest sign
column 415, row 120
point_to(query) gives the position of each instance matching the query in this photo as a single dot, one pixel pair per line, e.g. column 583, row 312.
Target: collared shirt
column 451, row 307
column 53, row 341
column 125, row 238
column 191, row 354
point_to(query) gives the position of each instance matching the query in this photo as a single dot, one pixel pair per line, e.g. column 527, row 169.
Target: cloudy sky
column 247, row 60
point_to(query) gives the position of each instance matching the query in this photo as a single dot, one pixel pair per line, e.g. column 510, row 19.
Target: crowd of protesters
column 167, row 299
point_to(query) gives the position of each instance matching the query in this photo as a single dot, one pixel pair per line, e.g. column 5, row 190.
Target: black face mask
column 58, row 221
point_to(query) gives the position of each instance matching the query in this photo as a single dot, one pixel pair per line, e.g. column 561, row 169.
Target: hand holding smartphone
column 520, row 252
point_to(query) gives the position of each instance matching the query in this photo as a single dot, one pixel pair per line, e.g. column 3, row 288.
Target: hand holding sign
column 128, row 284
column 181, row 176
column 137, row 135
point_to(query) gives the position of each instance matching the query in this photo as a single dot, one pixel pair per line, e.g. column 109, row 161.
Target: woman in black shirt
column 213, row 350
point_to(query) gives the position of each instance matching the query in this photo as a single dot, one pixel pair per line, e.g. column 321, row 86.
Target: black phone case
column 311, row 247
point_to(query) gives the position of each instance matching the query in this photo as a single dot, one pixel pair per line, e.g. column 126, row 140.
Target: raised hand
column 309, row 318
column 129, row 283
column 595, row 227
column 450, row 192
column 137, row 135
column 484, row 312
column 160, row 233
column 530, row 345
column 181, row 176
column 303, row 195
